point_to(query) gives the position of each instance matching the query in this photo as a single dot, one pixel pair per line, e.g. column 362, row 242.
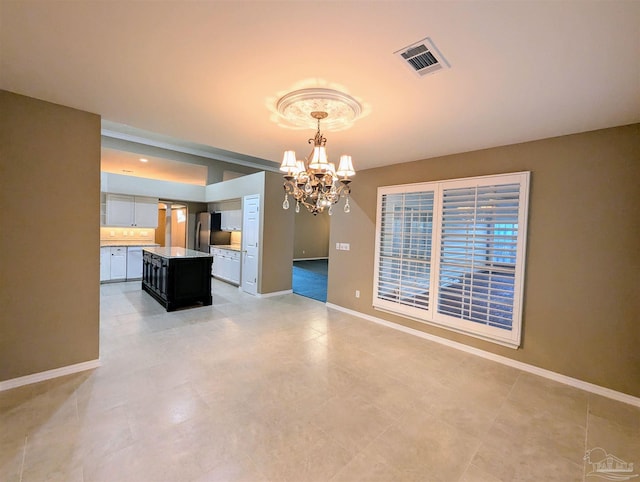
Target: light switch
column 338, row 247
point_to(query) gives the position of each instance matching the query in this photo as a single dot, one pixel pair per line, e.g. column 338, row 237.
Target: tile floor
column 284, row 389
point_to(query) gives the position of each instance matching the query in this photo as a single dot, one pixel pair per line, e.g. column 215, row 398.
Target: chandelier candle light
column 315, row 183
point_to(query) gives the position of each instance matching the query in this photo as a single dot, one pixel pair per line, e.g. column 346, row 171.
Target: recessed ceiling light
column 142, row 159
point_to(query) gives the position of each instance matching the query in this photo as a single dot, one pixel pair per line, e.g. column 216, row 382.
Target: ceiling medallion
column 341, row 109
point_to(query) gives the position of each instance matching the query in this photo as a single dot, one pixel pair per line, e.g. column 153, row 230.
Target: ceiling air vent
column 423, row 57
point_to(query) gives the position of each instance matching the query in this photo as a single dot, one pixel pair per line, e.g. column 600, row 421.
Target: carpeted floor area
column 310, row 278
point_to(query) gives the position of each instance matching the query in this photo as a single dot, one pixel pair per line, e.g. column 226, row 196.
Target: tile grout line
column 24, row 453
column 363, row 449
column 506, row 399
column 586, row 440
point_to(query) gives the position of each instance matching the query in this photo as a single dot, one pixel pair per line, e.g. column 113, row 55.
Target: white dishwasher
column 134, row 262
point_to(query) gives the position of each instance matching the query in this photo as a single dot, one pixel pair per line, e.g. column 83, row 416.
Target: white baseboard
column 275, row 293
column 49, row 374
column 558, row 377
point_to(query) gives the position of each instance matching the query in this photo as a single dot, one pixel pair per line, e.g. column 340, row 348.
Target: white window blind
column 478, row 253
column 405, row 254
column 452, row 253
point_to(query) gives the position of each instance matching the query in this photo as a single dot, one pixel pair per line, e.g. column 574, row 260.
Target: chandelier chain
column 318, row 140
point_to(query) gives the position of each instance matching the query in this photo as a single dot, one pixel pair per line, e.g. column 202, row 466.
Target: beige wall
column 581, row 303
column 161, row 230
column 49, row 237
column 278, row 227
column 311, row 234
column 178, row 229
column 276, row 239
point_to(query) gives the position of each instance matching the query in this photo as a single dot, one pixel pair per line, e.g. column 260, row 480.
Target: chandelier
column 314, row 182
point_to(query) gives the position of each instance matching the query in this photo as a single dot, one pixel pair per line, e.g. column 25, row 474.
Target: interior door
column 250, row 238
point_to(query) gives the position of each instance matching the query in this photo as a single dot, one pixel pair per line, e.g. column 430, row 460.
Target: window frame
column 507, row 337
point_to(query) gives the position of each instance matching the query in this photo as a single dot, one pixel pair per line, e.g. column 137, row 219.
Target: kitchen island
column 177, row 277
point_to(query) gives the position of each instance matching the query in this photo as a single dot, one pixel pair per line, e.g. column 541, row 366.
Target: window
column 405, row 254
column 451, row 253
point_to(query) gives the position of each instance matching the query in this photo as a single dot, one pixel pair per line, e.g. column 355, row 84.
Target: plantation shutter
column 404, row 250
column 478, row 252
column 451, row 253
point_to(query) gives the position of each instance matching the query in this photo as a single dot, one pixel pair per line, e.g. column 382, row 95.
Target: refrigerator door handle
column 197, row 238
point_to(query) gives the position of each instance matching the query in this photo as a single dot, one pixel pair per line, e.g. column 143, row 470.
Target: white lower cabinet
column 226, row 264
column 118, row 263
column 234, row 270
column 105, row 264
column 134, row 262
column 215, row 266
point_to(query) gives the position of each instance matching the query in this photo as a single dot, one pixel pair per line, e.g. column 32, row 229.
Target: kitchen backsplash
column 236, row 237
column 127, row 234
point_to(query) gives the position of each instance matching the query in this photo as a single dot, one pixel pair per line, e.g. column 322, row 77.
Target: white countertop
column 177, row 252
column 117, row 244
column 231, row 247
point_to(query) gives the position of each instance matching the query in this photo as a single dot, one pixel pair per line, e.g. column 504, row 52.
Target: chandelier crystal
column 314, row 182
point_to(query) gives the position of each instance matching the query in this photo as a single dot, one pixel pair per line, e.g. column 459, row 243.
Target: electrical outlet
column 346, row 246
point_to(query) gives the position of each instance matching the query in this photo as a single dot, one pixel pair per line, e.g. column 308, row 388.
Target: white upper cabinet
column 146, row 212
column 236, row 219
column 231, row 220
column 136, row 211
column 119, row 210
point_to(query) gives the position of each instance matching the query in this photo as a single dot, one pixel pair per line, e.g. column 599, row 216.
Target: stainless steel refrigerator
column 208, row 231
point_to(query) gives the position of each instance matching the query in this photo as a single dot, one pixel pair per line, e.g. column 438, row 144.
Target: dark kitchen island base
column 177, row 277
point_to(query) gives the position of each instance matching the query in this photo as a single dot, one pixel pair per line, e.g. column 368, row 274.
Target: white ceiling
column 211, row 72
